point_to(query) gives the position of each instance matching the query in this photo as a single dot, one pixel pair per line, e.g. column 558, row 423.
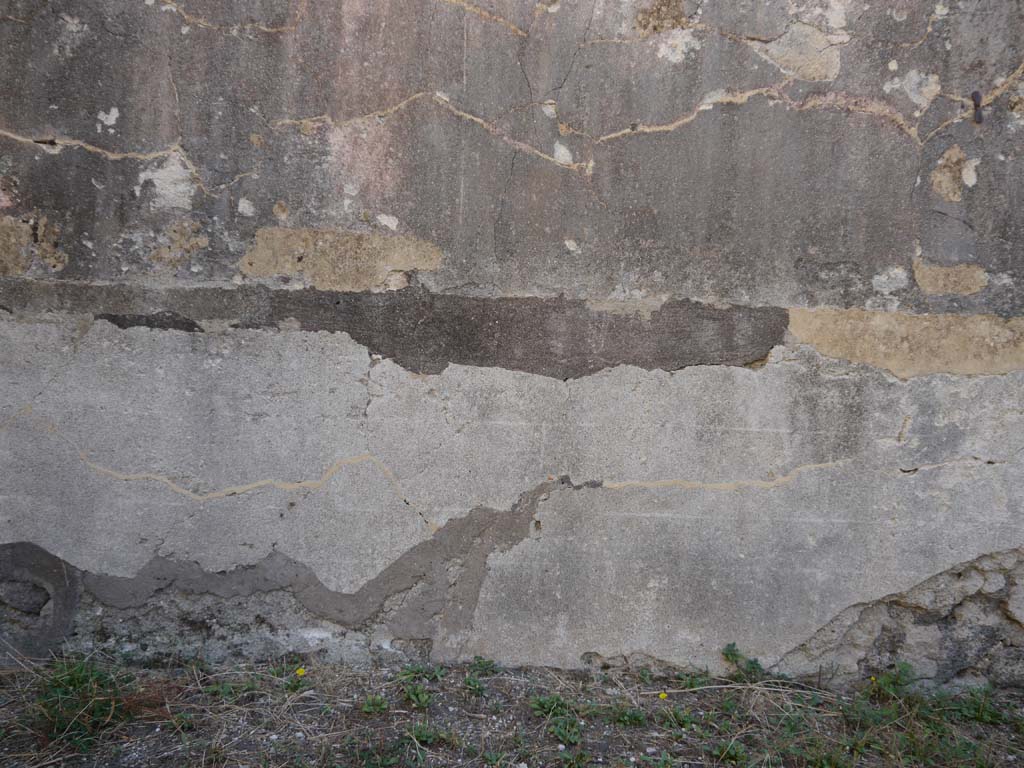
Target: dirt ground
column 92, row 712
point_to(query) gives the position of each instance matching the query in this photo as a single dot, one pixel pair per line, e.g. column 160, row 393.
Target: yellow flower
column 300, row 672
column 662, row 695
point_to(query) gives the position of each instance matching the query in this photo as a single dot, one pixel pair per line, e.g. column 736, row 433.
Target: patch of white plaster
column 969, row 172
column 172, row 182
column 109, row 118
column 835, row 14
column 72, row 33
column 387, row 221
column 920, row 89
column 245, row 207
column 562, row 154
column 675, row 45
column 572, row 246
column 804, row 52
column 892, row 279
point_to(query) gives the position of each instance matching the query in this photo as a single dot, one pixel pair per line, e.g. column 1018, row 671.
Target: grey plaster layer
column 761, row 153
column 701, row 506
column 455, row 327
column 39, row 598
column 423, row 332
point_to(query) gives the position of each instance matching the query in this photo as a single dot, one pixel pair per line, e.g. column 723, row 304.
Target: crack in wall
column 833, row 101
column 230, row 29
column 829, row 101
column 54, row 145
column 486, row 15
column 735, row 485
column 328, row 474
column 708, row 101
column 308, row 124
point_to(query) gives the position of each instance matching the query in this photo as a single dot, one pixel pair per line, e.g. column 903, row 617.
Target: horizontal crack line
column 307, row 124
column 56, row 144
column 695, row 485
column 486, row 16
column 202, row 23
column 235, row 490
column 831, row 101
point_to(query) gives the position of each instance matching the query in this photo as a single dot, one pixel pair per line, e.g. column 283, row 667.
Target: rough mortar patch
column 337, row 260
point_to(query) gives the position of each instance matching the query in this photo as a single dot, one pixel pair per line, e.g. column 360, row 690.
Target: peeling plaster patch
column 562, row 154
column 920, row 89
column 804, row 52
column 914, row 345
column 337, row 260
column 464, row 543
column 387, row 221
column 72, row 33
column 165, row 321
column 952, row 172
column 832, row 11
column 963, row 279
column 675, row 45
column 42, row 578
column 835, row 14
column 15, row 240
column 46, row 237
column 21, row 239
column 891, row 280
column 958, row 624
column 969, row 173
column 179, row 241
column 550, row 109
column 172, row 182
column 572, row 246
column 660, row 16
column 245, row 207
column 109, row 118
column 449, row 328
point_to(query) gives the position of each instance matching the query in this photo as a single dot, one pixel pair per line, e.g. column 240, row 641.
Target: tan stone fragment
column 339, row 261
column 914, row 345
column 963, row 279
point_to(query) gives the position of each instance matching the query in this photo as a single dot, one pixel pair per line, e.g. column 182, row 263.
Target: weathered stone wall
column 556, row 332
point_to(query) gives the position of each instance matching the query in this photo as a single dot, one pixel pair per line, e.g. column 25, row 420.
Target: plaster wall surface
column 560, row 333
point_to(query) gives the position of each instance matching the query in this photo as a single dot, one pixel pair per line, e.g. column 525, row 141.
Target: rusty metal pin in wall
column 976, row 98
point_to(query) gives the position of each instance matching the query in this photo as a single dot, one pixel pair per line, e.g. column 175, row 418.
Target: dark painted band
column 424, row 332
